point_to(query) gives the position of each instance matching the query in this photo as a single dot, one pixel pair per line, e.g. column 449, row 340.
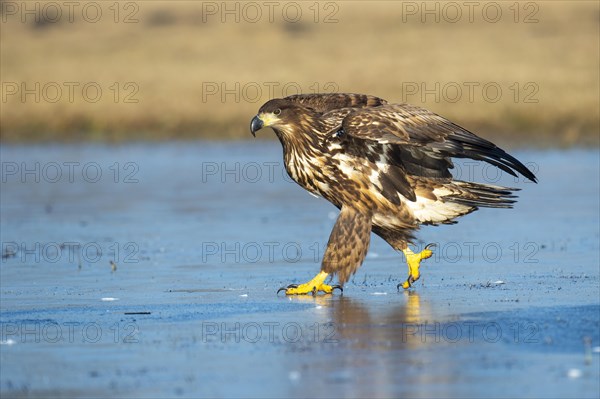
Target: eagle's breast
column 308, row 169
column 346, row 171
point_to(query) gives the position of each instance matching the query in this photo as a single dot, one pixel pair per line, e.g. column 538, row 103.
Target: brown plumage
column 385, row 166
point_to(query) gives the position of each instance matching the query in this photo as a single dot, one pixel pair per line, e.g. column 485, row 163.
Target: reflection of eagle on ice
column 385, row 166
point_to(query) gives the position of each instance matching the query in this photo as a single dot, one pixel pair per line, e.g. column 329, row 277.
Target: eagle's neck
column 303, row 149
column 301, row 137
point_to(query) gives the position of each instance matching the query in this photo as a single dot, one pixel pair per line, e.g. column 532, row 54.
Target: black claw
column 409, row 280
column 431, row 245
column 314, row 291
column 339, row 287
column 287, row 288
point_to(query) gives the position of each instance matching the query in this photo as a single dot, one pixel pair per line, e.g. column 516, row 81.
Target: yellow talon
column 414, row 262
column 314, row 286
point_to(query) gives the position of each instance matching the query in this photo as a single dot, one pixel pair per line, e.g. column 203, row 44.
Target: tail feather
column 483, row 195
column 443, row 202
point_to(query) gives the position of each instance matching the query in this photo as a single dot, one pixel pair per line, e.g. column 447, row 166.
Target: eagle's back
column 323, row 103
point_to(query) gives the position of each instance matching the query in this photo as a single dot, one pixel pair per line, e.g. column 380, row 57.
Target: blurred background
column 517, row 72
column 134, row 201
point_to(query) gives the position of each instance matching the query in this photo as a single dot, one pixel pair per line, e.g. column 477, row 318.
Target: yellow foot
column 313, row 287
column 414, row 261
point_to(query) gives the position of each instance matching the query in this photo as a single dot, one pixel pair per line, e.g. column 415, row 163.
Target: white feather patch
column 386, row 221
column 345, row 164
column 434, row 211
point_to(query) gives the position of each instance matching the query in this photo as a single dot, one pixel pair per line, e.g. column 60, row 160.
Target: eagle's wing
column 425, row 141
column 348, row 243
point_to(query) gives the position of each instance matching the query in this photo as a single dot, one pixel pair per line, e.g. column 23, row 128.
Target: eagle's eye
column 277, row 111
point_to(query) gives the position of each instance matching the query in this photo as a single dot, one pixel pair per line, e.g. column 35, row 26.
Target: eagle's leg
column 414, row 262
column 346, row 250
column 316, row 285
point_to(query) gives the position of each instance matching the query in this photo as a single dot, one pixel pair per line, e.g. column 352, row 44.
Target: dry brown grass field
column 517, row 72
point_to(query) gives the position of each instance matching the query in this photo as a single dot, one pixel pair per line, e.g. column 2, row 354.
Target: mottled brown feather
column 326, row 102
column 348, row 243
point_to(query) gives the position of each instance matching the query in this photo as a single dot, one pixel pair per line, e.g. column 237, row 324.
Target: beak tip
column 255, row 125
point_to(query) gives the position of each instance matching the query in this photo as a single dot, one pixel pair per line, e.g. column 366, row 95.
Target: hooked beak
column 256, row 125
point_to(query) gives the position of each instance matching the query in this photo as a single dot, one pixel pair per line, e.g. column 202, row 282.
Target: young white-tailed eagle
column 385, row 166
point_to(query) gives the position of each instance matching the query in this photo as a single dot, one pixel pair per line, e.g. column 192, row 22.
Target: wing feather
column 426, row 140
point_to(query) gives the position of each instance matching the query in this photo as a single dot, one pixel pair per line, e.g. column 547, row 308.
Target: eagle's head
column 281, row 115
